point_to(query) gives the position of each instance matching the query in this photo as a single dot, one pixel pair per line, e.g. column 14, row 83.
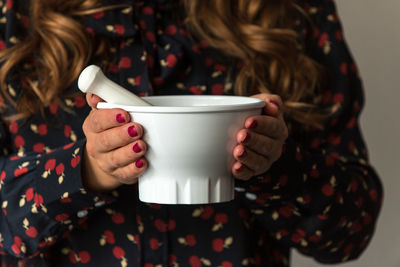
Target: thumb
column 92, row 100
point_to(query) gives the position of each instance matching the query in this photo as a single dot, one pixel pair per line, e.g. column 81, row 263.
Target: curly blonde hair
column 259, row 33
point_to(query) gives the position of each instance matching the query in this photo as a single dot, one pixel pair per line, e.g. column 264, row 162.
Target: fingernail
column 136, row 148
column 139, row 163
column 238, row 169
column 242, row 154
column 246, row 138
column 132, row 131
column 120, row 118
column 275, row 103
column 253, row 124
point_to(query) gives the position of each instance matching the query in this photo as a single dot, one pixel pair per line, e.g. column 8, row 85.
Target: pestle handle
column 93, row 80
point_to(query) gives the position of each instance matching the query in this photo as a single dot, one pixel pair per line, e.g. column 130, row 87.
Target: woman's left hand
column 261, row 140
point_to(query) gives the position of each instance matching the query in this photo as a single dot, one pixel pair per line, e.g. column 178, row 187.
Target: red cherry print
column 171, row 60
column 138, row 79
column 171, row 259
column 53, row 107
column 98, row 15
column 323, row 39
column 17, row 240
column 17, row 244
column 19, row 141
column 195, row 261
column 217, row 89
column 328, row 190
column 190, row 240
column 38, row 147
column 195, row 90
column 9, row 4
column 119, row 29
column 72, row 257
column 207, row 212
column 16, row 249
column 285, row 211
column 20, row 171
column 42, row 129
column 109, row 237
column 351, row 123
column 338, row 98
column 314, row 238
column 154, row 244
column 221, row 218
column 79, row 101
column 148, row 10
column 68, row 146
column 75, row 161
column 171, row 225
column 343, row 68
column 118, row 218
column 50, row 165
column 373, row 195
column 38, row 199
column 150, row 36
column 226, row 264
column 13, row 127
column 125, row 62
column 31, row 232
column 218, row 244
column 84, row 256
column 60, row 169
column 118, row 252
column 2, row 47
column 171, row 30
column 160, row 225
column 62, row 217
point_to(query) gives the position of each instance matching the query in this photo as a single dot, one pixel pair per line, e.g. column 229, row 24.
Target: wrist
column 94, row 178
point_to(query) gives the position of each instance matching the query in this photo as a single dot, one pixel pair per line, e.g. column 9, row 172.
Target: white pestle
column 92, row 80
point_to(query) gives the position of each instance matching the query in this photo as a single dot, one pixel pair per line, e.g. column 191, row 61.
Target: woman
column 68, row 186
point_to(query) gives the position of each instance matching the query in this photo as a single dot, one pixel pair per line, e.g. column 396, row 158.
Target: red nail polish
column 139, row 163
column 246, row 138
column 253, row 124
column 132, row 131
column 275, row 103
column 238, row 169
column 120, row 118
column 244, row 153
column 136, row 148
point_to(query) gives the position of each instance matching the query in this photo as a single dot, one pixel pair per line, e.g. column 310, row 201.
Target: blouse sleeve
column 41, row 197
column 322, row 196
column 41, row 194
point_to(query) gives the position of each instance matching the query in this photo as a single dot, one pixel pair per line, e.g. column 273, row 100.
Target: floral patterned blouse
column 321, row 197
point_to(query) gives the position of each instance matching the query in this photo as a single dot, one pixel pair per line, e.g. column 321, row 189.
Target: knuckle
column 114, row 161
column 104, row 141
column 90, row 149
column 96, row 124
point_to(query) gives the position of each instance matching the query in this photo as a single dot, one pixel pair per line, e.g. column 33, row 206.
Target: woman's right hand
column 114, row 150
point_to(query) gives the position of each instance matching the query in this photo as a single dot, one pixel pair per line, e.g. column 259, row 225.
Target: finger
column 93, row 100
column 130, row 173
column 273, row 103
column 104, row 119
column 255, row 162
column 241, row 172
column 125, row 155
column 118, row 136
column 261, row 144
column 266, row 125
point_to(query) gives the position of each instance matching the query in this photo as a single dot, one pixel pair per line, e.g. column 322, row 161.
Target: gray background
column 372, row 31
